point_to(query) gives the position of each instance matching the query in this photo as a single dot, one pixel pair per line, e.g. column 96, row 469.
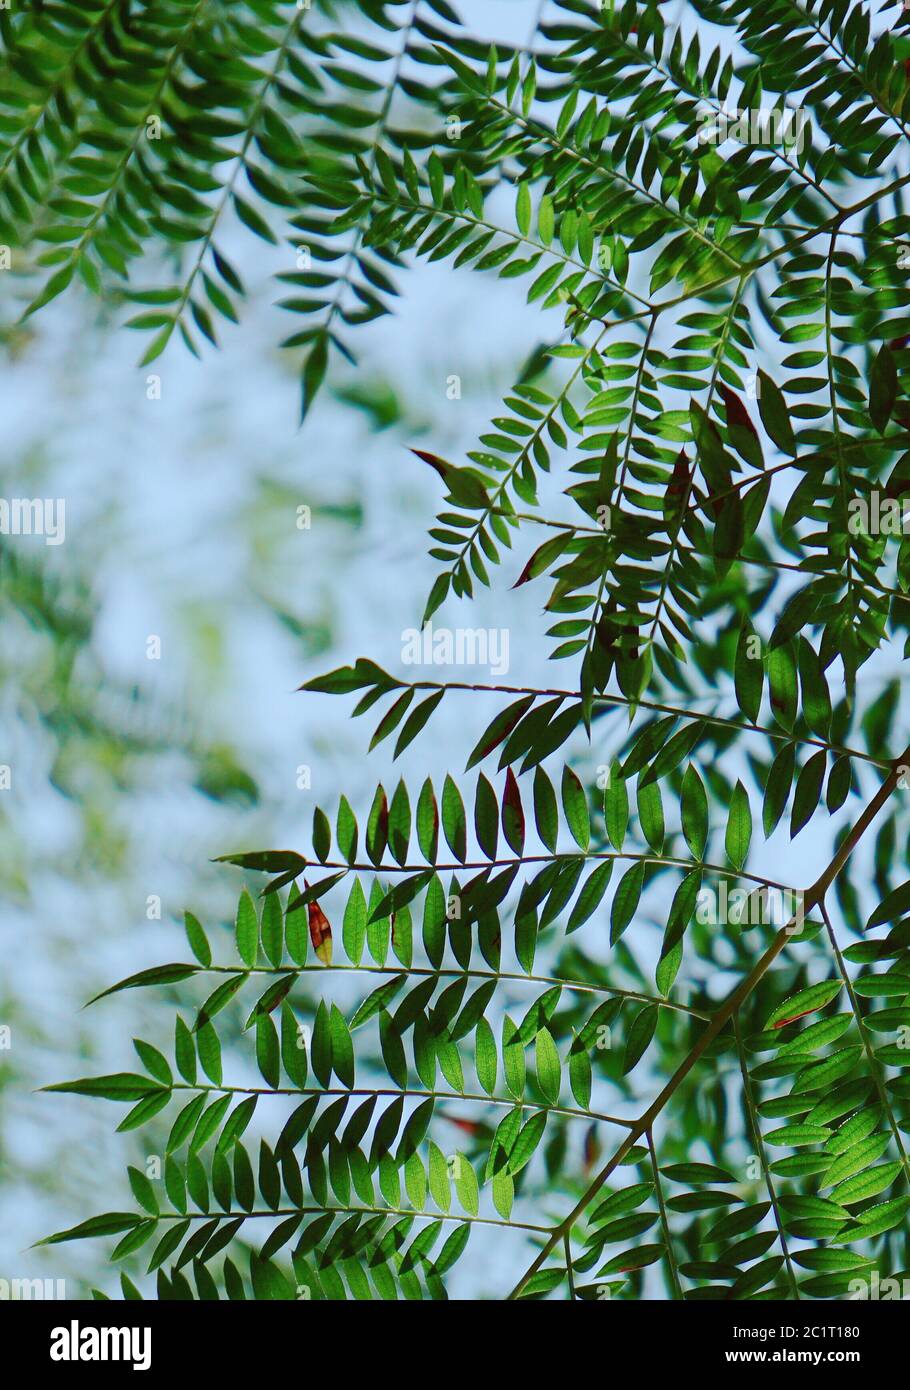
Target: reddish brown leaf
column 782, row 1023
column 320, row 931
column 678, row 486
column 592, row 1148
column 679, row 480
column 464, row 484
column 441, row 466
column 513, row 816
column 607, row 632
column 501, row 733
column 469, row 1126
column 737, row 414
column 542, row 557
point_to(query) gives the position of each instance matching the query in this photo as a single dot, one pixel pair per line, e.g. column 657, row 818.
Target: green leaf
column 806, row 1001
column 247, row 929
column 795, row 1136
column 882, row 388
column 807, row 796
column 777, row 788
column 591, row 895
column 196, row 937
column 774, row 414
column 346, row 830
column 513, row 1058
column 523, row 209
column 548, row 1066
column 272, row 929
column 546, row 811
column 143, row 1191
column 693, row 1173
column 694, row 808
column 121, row 1085
column 485, row 1057
column 466, row 1185
column 855, row 1159
column 112, row 1223
column 313, row 374
column 354, row 925
column 580, row 1075
column 377, row 1001
column 378, row 826
column 154, row 1062
column 486, row 817
column 739, row 827
column 268, row 1052
column 864, row 1185
column 513, row 818
column 640, row 1035
column 157, row 975
column 545, row 220
column 526, row 939
column 782, row 680
column 499, row 729
column 651, row 813
column 529, row 1137
column 749, row 673
column 616, row 807
column 438, row 1175
column 575, row 806
column 427, row 822
column 625, row 900
column 875, row 1220
column 893, row 906
column 342, row 1047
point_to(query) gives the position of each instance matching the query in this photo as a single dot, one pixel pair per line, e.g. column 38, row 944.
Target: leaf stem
column 664, row 1220
column 510, row 1101
column 448, row 973
column 658, row 708
column 666, row 859
column 372, row 1211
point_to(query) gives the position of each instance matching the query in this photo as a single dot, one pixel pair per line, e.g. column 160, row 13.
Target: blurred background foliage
column 130, row 775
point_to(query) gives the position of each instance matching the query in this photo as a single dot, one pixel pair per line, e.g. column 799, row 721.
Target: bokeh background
column 130, row 774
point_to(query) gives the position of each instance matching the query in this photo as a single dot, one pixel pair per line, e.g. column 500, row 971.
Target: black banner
column 64, row 1339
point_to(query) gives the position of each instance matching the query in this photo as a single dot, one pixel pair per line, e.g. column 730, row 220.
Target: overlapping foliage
column 631, row 1085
